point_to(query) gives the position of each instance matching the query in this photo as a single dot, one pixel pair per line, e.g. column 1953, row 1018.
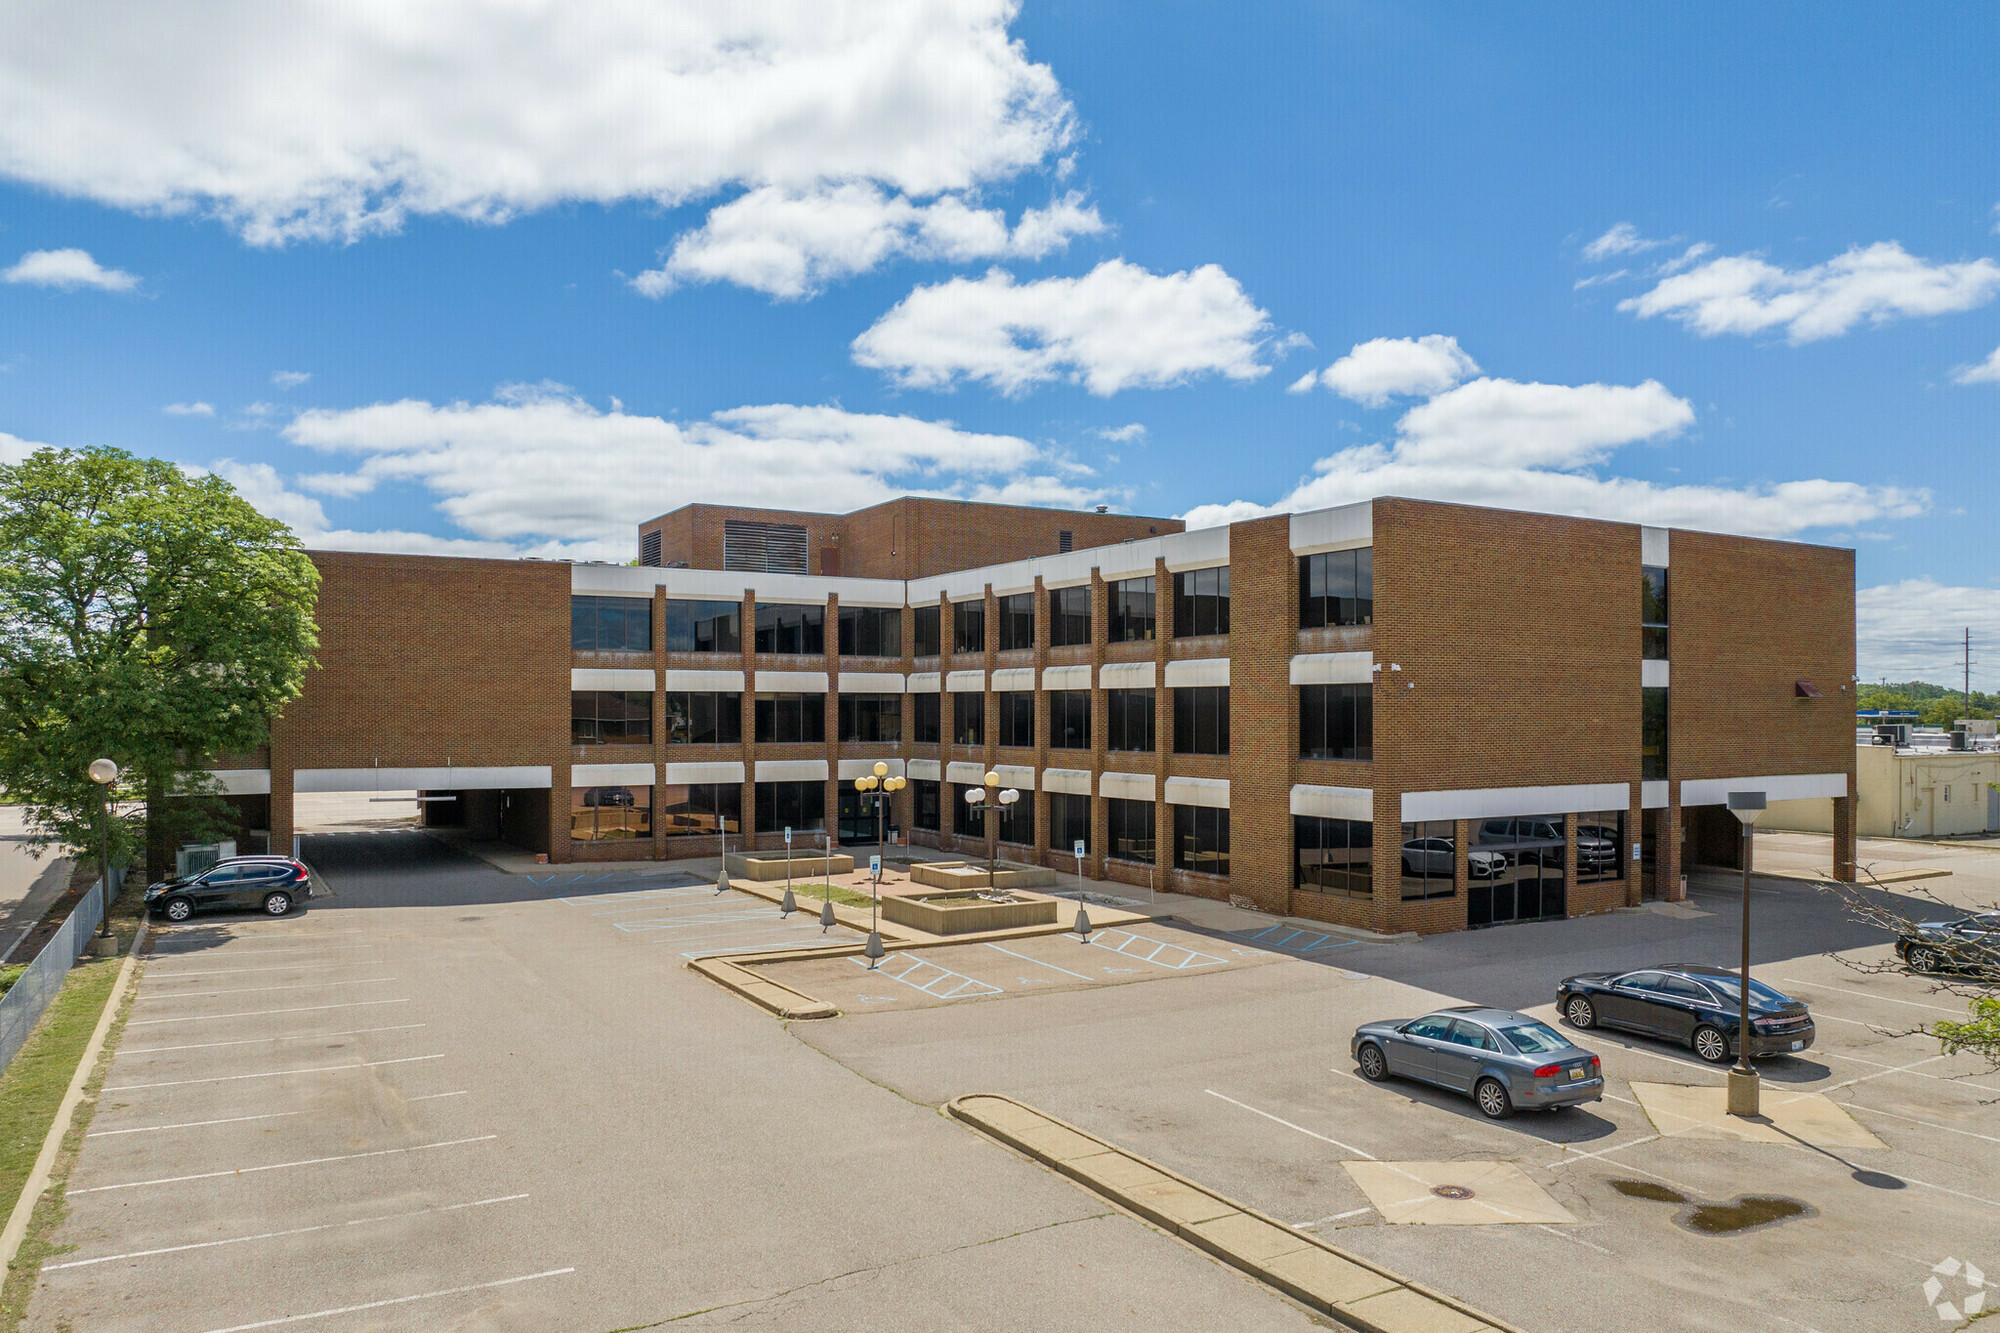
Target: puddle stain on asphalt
column 1745, row 1212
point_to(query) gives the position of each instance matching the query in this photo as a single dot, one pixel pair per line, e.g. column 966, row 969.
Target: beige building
column 1908, row 793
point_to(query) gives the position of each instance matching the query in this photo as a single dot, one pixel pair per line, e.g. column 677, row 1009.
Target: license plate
column 1577, row 1072
column 1798, row 1046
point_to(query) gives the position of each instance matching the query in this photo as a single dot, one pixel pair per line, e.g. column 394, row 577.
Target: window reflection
column 600, row 813
column 1515, row 870
column 1334, row 856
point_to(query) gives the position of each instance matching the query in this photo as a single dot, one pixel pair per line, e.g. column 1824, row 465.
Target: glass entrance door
column 856, row 819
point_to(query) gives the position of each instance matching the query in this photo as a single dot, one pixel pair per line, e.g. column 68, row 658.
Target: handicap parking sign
column 1079, row 849
column 788, row 836
column 875, row 865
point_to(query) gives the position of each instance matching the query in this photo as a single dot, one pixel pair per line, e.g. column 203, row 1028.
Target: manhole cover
column 1451, row 1191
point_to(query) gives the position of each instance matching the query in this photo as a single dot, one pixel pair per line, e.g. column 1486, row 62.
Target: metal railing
column 22, row 1006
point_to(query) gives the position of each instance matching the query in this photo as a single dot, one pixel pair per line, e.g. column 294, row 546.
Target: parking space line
column 637, row 924
column 1337, row 1217
column 1941, row 1078
column 252, row 1041
column 1586, row 1156
column 627, row 900
column 1289, row 1125
column 964, row 987
column 1671, row 1059
column 279, row 1166
column 271, row 1235
column 189, row 1124
column 433, row 1096
column 1133, row 945
column 1039, row 963
column 232, row 971
column 394, row 1300
column 1869, row 995
column 260, row 1013
column 1863, row 1078
column 271, row 1073
column 252, row 990
column 1931, row 1124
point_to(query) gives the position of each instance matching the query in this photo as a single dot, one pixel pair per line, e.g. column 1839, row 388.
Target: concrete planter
column 763, row 868
column 957, row 912
column 972, row 875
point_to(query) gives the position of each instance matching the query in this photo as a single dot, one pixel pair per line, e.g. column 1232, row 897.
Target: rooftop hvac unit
column 1892, row 733
column 1958, row 741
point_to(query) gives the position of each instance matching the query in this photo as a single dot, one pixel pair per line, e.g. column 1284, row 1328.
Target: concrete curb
column 1357, row 1292
column 763, row 992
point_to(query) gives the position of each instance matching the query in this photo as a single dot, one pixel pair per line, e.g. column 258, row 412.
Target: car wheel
column 1923, row 958
column 178, row 909
column 1374, row 1067
column 1580, row 1012
column 1711, row 1045
column 1492, row 1099
column 277, row 904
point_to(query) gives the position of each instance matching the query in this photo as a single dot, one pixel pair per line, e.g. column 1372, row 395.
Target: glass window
column 1534, row 1038
column 1201, row 720
column 1429, row 848
column 1464, row 1033
column 1201, row 602
column 1600, row 846
column 1017, row 621
column 703, row 808
column 1201, row 839
column 1129, row 829
column 1337, row 721
column 924, row 631
column 1653, row 611
column 704, row 627
column 924, row 798
column 600, row 813
column 1017, row 821
column 929, row 718
column 783, row 627
column 871, row 631
column 871, row 718
column 1514, row 870
column 611, row 624
column 1131, row 720
column 704, row 719
column 968, row 719
column 1069, row 616
column 610, row 717
column 1653, row 733
column 967, row 820
column 1017, row 717
column 1132, row 615
column 1069, row 820
column 1337, row 588
column 791, row 718
column 1437, row 1027
column 968, row 627
column 1334, row 856
column 1069, row 719
column 794, row 805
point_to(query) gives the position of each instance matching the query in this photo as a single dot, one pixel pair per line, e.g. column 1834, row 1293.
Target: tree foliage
column 1967, row 966
column 1937, row 705
column 146, row 616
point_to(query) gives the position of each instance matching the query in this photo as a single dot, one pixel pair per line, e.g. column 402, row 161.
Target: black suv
column 270, row 884
column 1969, row 944
column 1688, row 1003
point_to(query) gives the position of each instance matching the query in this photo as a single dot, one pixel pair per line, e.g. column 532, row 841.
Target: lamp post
column 877, row 787
column 992, row 801
column 103, row 772
column 1746, row 806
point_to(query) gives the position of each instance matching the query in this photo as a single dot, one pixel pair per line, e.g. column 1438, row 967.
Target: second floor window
column 610, row 717
column 1017, row 717
column 1201, row 720
column 924, row 631
column 1337, row 588
column 1131, row 720
column 786, row 628
column 1201, row 602
column 926, row 719
column 1069, row 719
column 1653, row 733
column 1017, row 621
column 968, row 627
column 704, row 627
column 1069, row 617
column 871, row 631
column 704, row 719
column 791, row 718
column 968, row 719
column 871, row 717
column 1653, row 612
column 1132, row 614
column 611, row 624
column 1337, row 721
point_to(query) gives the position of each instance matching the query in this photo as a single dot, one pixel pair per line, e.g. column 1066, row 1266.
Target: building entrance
column 856, row 819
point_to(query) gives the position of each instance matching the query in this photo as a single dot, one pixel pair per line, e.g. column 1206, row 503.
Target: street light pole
column 1743, row 1081
column 104, row 772
column 877, row 787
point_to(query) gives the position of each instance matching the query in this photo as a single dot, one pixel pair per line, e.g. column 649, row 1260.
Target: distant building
column 1909, row 791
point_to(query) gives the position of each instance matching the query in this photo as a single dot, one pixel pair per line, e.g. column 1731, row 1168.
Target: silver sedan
column 1502, row 1059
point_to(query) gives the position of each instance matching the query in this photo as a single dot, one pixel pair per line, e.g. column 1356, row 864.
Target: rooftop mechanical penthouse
column 1397, row 715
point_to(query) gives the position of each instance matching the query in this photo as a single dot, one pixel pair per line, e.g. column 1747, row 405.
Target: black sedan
column 1691, row 1004
column 270, row 884
column 1968, row 944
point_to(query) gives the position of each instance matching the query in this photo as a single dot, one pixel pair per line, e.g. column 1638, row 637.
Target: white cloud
column 14, row 449
column 67, row 270
column 1125, row 434
column 1985, row 372
column 1877, row 283
column 1909, row 630
column 1534, row 446
column 335, row 120
column 530, row 465
column 1383, row 368
column 290, row 379
column 1117, row 327
column 792, row 243
column 1599, row 279
column 1622, row 239
column 189, row 409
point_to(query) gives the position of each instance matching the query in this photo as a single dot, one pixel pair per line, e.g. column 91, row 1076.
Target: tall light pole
column 877, row 787
column 992, row 802
column 1746, row 806
column 103, row 772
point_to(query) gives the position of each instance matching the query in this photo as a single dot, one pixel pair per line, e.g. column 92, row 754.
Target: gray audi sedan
column 1504, row 1060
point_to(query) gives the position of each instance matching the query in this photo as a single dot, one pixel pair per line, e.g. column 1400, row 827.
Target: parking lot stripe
column 1039, row 963
column 1870, row 995
column 960, row 987
column 271, row 1235
column 252, row 990
column 252, row 1041
column 189, row 1124
column 1898, row 1069
column 270, row 1073
column 1863, row 1078
column 433, row 1096
column 1337, row 1217
column 280, row 1166
column 1932, row 1124
column 261, row 1013
column 394, row 1300
column 1134, row 946
column 1289, row 1125
column 1586, row 1156
column 232, row 971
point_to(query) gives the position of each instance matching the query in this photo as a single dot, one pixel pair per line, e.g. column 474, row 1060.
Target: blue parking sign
column 1079, row 849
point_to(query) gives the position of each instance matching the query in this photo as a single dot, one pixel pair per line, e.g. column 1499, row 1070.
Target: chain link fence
column 22, row 1006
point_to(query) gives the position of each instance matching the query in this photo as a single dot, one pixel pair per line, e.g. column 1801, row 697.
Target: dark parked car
column 271, row 884
column 1692, row 1004
column 607, row 796
column 1968, row 944
column 1503, row 1059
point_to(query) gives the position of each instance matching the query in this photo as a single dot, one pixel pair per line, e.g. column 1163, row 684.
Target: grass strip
column 845, row 897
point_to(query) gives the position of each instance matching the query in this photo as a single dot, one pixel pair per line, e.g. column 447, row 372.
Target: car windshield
column 1534, row 1038
column 1759, row 992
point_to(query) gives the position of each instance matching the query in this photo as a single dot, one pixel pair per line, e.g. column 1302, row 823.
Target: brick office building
column 1395, row 714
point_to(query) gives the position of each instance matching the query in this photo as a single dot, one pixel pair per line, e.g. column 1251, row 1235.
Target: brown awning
column 1805, row 689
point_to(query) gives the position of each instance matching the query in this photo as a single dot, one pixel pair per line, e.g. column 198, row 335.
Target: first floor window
column 924, row 796
column 610, row 717
column 1201, row 720
column 598, row 813
column 1069, row 719
column 1600, row 846
column 967, row 819
column 701, row 808
column 1334, row 856
column 704, row 719
column 1069, row 822
column 1130, row 720
column 968, row 719
column 1337, row 721
column 1430, row 854
column 1129, row 827
column 794, row 805
column 791, row 718
column 927, row 718
column 1201, row 839
column 1017, row 717
column 1017, row 821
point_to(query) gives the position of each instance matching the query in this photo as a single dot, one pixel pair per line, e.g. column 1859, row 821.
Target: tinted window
column 1646, row 981
column 968, row 719
column 791, row 718
column 610, row 717
column 701, row 809
column 924, row 631
column 1337, row 588
column 1653, row 611
column 704, row 627
column 1130, row 719
column 871, row 718
column 1017, row 717
column 1471, row 1034
column 787, row 628
column 611, row 624
column 1436, row 1027
column 1201, row 602
column 1201, row 720
column 1069, row 719
column 1132, row 613
column 929, row 714
column 925, row 802
column 1653, row 733
column 1600, row 846
column 1760, row 994
column 1017, row 621
column 1334, row 856
column 1069, row 616
column 968, row 627
column 1337, row 722
column 1427, row 857
column 1201, row 839
column 704, row 719
column 871, row 631
column 1129, row 826
column 1069, row 820
column 796, row 805
column 1534, row 1039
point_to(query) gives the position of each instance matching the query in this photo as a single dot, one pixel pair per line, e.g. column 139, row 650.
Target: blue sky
column 509, row 279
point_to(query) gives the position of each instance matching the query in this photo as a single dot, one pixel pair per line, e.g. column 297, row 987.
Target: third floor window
column 871, row 631
column 1337, row 588
column 1132, row 614
column 1069, row 617
column 968, row 627
column 1201, row 602
column 783, row 627
column 1017, row 621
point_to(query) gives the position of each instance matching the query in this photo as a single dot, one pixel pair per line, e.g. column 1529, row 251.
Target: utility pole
column 1968, row 671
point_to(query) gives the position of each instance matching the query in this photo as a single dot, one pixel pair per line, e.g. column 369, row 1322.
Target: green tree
column 146, row 616
column 1979, row 1033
